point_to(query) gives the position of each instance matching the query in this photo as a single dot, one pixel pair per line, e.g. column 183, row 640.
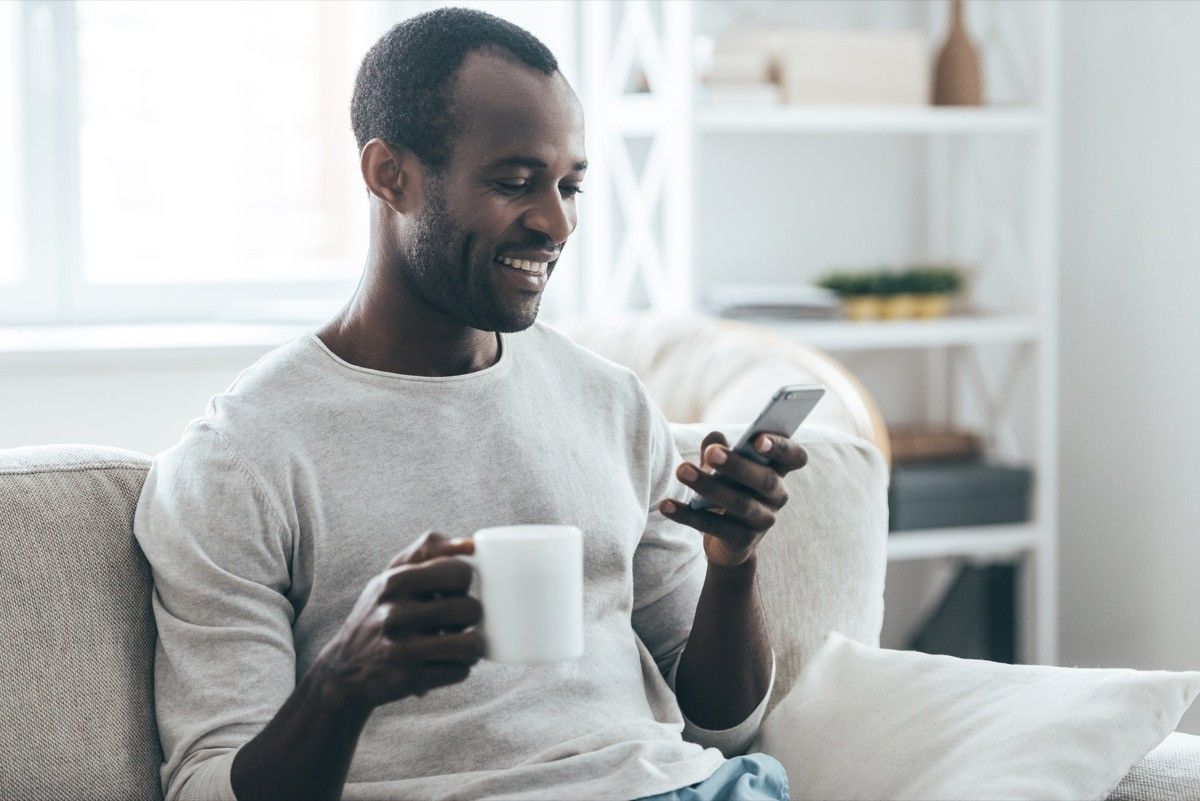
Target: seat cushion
column 1171, row 772
column 76, row 632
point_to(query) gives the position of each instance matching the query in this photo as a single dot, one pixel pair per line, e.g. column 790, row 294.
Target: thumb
column 712, row 438
column 431, row 545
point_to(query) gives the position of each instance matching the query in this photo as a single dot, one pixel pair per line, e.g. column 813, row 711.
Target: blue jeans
column 754, row 777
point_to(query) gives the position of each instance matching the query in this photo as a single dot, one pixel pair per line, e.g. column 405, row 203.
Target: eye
column 512, row 187
column 571, row 191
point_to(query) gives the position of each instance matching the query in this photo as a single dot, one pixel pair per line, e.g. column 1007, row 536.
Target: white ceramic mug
column 531, row 590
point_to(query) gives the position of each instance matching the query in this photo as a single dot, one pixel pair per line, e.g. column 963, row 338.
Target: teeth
column 536, row 267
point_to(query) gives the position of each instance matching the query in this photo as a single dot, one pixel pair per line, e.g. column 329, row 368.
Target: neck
column 385, row 326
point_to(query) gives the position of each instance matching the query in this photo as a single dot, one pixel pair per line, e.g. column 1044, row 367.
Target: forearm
column 306, row 749
column 725, row 669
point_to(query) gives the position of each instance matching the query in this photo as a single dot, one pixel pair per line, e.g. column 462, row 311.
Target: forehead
column 504, row 108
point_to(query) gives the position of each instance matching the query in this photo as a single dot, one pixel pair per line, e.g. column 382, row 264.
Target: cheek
column 491, row 218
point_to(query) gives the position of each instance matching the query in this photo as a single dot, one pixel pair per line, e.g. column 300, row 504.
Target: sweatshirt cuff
column 736, row 739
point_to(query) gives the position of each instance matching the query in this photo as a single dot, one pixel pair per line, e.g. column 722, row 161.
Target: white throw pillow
column 866, row 722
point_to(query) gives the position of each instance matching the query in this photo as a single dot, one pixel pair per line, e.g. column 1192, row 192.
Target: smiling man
column 316, row 638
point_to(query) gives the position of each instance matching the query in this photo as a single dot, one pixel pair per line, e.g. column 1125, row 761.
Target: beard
column 442, row 271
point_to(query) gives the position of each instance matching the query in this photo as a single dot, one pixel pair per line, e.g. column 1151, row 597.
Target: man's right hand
column 413, row 628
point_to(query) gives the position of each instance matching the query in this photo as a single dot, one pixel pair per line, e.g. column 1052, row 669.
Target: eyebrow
column 531, row 163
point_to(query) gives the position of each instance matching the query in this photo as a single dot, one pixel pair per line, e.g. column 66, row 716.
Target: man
column 434, row 400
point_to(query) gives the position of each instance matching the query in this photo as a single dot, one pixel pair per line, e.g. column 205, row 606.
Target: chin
column 518, row 319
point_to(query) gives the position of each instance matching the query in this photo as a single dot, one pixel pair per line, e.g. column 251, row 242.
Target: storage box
column 839, row 67
column 940, row 494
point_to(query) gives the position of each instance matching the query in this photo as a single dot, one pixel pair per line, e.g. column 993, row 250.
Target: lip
column 521, row 280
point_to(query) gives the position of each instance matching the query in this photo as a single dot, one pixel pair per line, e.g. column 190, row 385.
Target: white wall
column 1130, row 543
column 137, row 403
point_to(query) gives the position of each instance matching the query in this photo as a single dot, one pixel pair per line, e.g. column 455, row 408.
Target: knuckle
column 472, row 609
column 398, row 579
column 743, row 506
column 768, row 519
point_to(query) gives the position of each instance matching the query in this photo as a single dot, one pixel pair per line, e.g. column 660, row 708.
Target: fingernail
column 668, row 507
column 764, row 445
column 717, row 456
column 688, row 473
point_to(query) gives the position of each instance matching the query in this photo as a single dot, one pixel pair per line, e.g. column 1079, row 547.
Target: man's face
column 493, row 223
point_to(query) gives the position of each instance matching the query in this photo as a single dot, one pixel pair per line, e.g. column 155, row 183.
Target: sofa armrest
column 821, row 567
column 1170, row 772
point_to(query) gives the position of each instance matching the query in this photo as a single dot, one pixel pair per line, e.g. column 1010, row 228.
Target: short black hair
column 402, row 93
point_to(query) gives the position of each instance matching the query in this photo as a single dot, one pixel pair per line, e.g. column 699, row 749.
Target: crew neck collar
column 500, row 367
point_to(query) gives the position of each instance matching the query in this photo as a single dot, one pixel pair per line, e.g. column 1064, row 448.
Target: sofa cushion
column 76, row 633
column 1171, row 772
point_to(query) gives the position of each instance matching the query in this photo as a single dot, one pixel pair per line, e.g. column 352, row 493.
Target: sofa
column 77, row 636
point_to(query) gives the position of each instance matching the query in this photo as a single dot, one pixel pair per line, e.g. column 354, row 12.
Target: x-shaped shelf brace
column 967, row 373
column 643, row 53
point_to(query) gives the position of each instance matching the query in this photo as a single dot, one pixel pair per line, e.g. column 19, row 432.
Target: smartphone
column 783, row 414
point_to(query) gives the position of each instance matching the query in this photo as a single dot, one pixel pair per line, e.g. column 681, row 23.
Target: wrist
column 325, row 690
column 742, row 573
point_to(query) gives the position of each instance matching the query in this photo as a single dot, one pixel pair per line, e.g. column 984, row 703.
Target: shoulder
column 255, row 414
column 578, row 362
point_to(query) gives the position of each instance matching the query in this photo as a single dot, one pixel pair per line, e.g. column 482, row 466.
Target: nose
column 552, row 215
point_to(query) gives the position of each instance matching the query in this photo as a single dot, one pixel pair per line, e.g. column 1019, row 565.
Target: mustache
column 545, row 244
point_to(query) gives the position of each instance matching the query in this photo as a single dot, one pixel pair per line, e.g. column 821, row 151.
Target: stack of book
column 776, row 302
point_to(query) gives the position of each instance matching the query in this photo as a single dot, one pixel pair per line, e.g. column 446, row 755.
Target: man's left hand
column 746, row 494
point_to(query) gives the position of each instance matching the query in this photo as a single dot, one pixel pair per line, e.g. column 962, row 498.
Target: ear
column 391, row 174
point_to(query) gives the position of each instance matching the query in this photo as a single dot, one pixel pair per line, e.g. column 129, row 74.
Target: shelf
column 751, row 118
column 903, row 334
column 985, row 543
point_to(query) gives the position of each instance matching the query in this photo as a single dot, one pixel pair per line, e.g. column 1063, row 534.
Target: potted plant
column 899, row 302
column 932, row 288
column 857, row 293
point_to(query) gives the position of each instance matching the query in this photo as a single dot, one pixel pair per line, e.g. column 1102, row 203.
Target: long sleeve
column 736, row 739
column 669, row 564
column 225, row 660
column 669, row 571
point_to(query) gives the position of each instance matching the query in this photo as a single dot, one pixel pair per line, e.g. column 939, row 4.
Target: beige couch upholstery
column 77, row 639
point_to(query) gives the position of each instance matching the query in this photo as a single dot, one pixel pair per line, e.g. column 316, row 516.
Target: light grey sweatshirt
column 309, row 474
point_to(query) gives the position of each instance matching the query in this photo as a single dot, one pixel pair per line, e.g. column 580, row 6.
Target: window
column 214, row 142
column 12, row 257
column 189, row 160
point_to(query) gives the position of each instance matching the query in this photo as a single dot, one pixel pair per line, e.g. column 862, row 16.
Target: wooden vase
column 957, row 79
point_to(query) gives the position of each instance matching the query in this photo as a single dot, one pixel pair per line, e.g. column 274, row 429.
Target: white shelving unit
column 909, row 334
column 848, row 119
column 641, row 234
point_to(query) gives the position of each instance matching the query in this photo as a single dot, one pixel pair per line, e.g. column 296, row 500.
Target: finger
column 444, row 575
column 763, row 480
column 431, row 545
column 734, row 498
column 460, row 648
column 428, row 617
column 712, row 438
column 439, row 674
column 732, row 532
column 784, row 454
